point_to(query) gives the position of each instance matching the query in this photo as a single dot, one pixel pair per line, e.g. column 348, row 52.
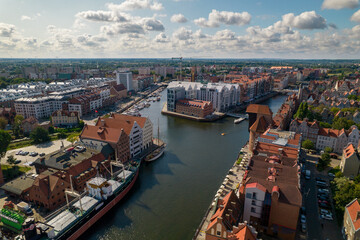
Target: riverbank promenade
column 232, row 181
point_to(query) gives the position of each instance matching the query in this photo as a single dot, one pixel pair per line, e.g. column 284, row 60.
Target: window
column 253, row 202
column 218, row 233
column 253, row 210
column 254, row 195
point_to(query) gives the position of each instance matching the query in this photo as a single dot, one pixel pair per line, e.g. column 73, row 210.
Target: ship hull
column 84, row 227
column 157, row 156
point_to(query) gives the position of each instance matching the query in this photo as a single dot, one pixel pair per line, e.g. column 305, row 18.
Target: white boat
column 239, row 120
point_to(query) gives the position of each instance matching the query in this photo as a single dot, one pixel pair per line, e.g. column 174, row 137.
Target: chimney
column 102, row 122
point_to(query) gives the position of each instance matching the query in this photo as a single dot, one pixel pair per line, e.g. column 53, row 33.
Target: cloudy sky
column 187, row 28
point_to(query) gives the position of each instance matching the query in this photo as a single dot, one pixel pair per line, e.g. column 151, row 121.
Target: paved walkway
column 46, row 148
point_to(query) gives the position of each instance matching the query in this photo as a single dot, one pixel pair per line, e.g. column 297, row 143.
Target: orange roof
column 256, row 185
column 243, row 234
column 260, row 125
column 353, row 209
column 194, row 103
column 101, row 133
column 259, row 109
column 349, row 150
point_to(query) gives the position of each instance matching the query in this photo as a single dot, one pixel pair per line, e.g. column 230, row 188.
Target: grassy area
column 10, row 172
column 20, row 144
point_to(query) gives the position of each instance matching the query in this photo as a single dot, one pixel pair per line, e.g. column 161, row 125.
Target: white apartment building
column 337, row 139
column 126, row 79
column 255, row 195
column 39, row 108
column 222, row 95
column 136, row 139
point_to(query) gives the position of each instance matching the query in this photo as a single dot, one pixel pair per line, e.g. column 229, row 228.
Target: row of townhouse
column 223, row 96
column 283, row 116
column 326, row 137
column 128, row 135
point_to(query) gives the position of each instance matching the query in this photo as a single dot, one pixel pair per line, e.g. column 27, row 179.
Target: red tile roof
column 349, row 150
column 353, row 209
column 259, row 109
column 256, row 185
column 102, row 134
column 243, row 234
column 194, row 103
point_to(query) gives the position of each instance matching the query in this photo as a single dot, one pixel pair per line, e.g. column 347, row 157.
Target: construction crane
column 179, row 58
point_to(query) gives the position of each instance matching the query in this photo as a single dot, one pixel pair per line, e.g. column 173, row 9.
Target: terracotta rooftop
column 105, row 134
column 260, row 125
column 259, row 109
column 349, row 150
column 119, row 87
column 194, row 103
column 256, row 185
column 122, row 117
column 353, row 209
column 244, row 233
column 285, row 179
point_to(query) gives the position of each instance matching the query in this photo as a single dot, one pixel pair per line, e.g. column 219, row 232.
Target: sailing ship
column 159, row 151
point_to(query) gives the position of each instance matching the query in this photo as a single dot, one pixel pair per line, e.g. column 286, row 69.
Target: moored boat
column 239, row 120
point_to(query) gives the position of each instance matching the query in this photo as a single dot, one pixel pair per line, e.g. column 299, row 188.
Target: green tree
column 307, row 144
column 81, row 124
column 51, row 130
column 325, row 125
column 334, row 110
column 11, row 160
column 340, row 123
column 17, row 125
column 39, row 135
column 73, row 137
column 5, row 140
column 328, row 149
column 302, row 111
column 3, row 122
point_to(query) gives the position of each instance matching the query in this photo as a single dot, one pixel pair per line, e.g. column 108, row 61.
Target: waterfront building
column 272, row 191
column 125, row 78
column 142, row 81
column 97, row 136
column 41, row 107
column 85, row 104
column 196, row 108
column 119, row 91
column 145, row 124
column 283, row 116
column 226, row 215
column 351, row 224
column 63, row 118
column 223, row 96
column 350, row 161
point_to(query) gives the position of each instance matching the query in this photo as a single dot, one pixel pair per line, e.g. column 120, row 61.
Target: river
column 172, row 194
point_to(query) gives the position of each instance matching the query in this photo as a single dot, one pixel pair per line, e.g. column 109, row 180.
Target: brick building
column 195, row 108
column 351, row 224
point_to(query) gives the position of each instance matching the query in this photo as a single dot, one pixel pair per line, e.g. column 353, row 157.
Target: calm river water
column 172, row 194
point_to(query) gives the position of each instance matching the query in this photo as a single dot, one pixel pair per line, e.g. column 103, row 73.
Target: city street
column 317, row 228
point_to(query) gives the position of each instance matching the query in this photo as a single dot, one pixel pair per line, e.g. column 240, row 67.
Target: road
column 317, row 228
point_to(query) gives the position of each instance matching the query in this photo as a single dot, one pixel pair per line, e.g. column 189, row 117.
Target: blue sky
column 190, row 28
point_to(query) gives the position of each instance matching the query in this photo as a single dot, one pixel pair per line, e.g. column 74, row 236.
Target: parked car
column 324, row 205
column 327, row 217
column 42, row 154
column 321, row 184
column 324, row 198
column 303, row 210
column 323, row 201
column 17, row 161
column 19, row 152
column 33, row 154
column 324, row 211
column 303, row 227
column 331, row 175
column 25, row 153
column 323, row 190
column 31, row 163
column 320, row 179
column 303, row 218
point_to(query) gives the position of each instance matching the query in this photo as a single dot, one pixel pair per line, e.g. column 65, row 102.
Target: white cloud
column 356, row 17
column 103, row 16
column 6, row 30
column 129, row 5
column 183, row 34
column 224, row 17
column 24, row 18
column 161, row 38
column 152, row 24
column 178, row 18
column 121, row 28
column 339, row 4
column 306, row 20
